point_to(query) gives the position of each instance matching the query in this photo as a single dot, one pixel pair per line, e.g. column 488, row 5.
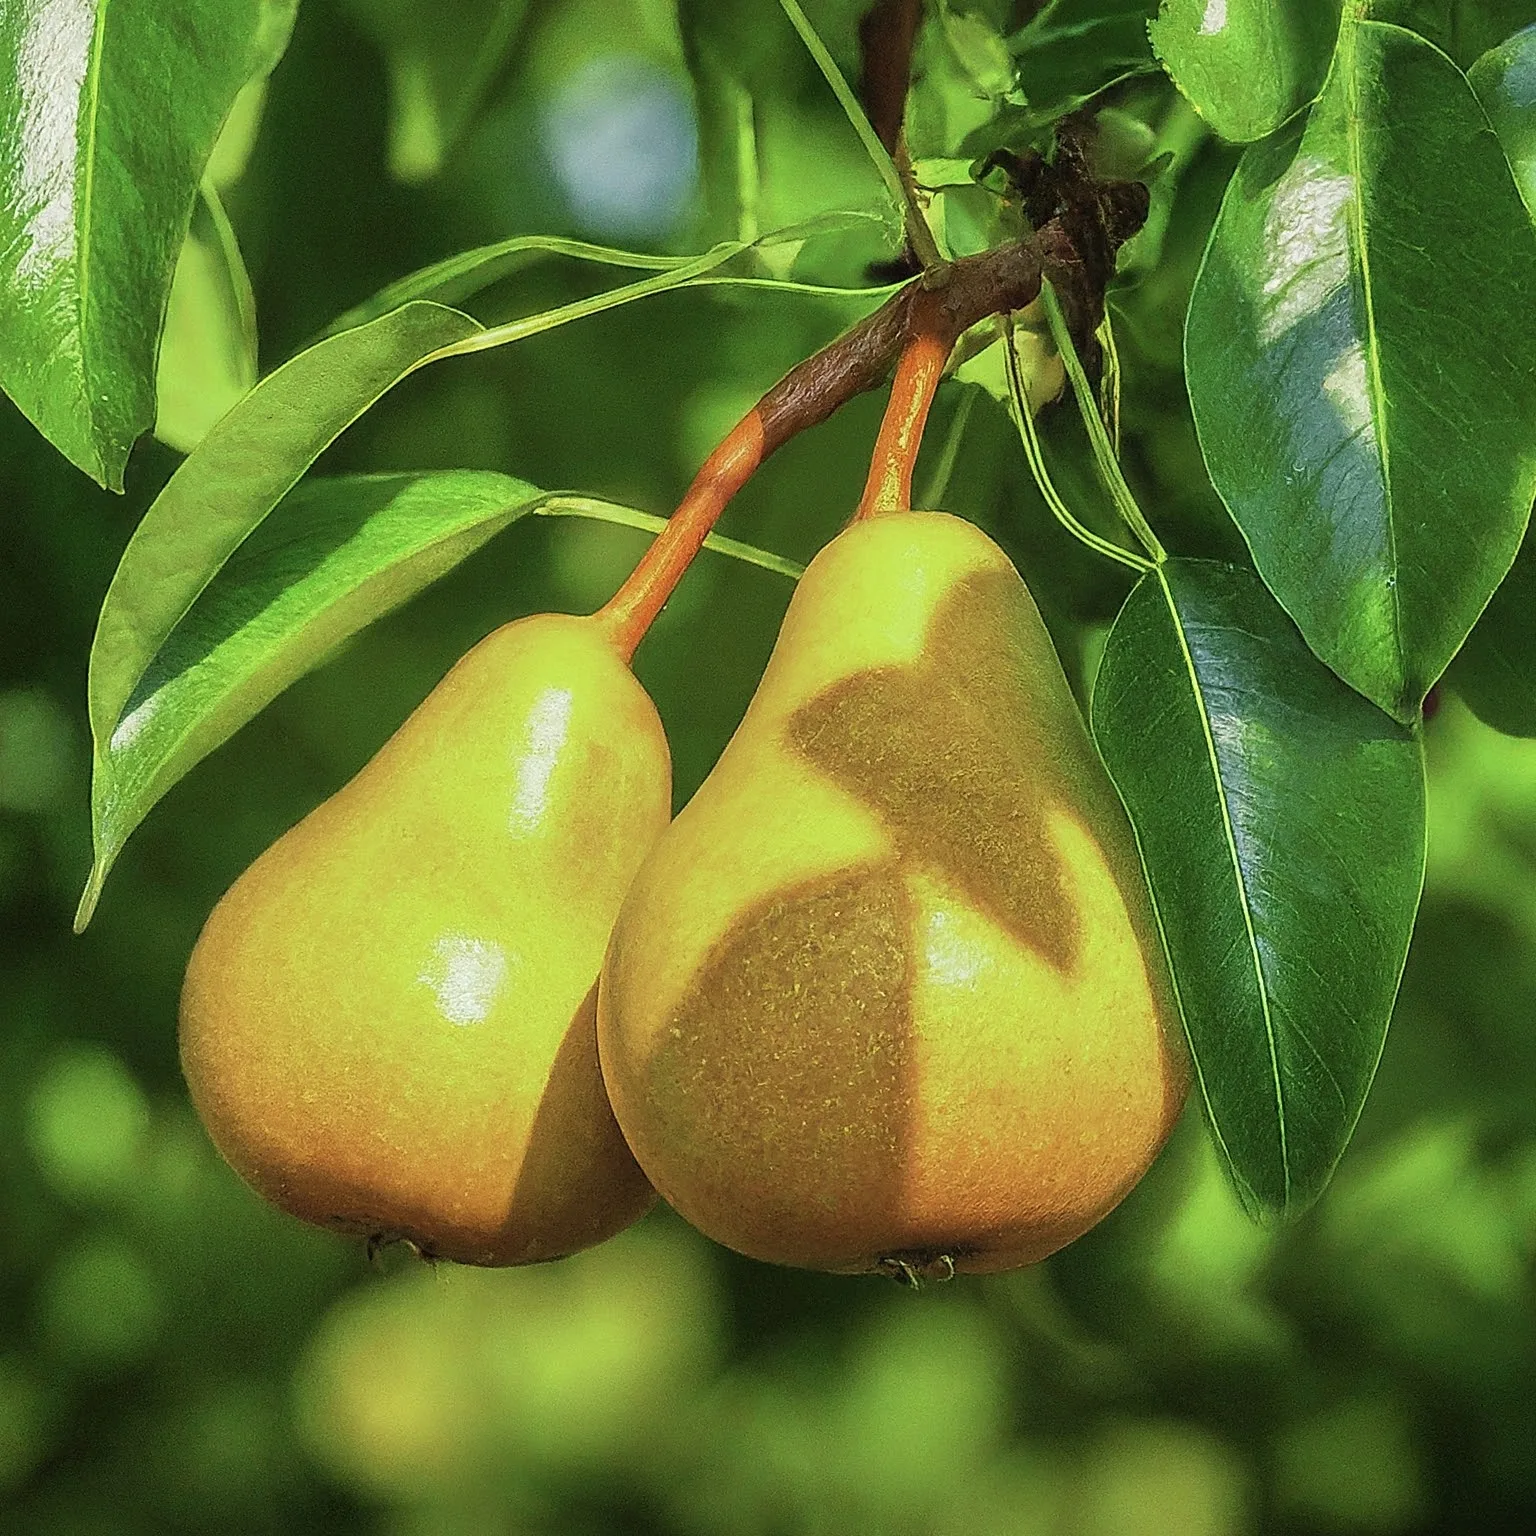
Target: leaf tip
column 92, row 893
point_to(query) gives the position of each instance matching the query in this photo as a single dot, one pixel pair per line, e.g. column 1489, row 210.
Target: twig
column 886, row 37
column 932, row 311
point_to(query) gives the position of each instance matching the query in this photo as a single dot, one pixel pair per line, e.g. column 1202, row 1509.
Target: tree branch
column 1074, row 249
column 886, row 37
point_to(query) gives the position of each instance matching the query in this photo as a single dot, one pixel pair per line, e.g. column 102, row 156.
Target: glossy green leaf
column 333, row 556
column 1505, row 82
column 1245, row 65
column 107, row 117
column 1281, row 821
column 208, row 344
column 239, row 472
column 1495, row 671
column 442, row 61
column 1364, row 395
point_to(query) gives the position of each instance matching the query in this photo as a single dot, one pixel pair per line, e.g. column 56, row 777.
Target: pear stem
column 918, row 371
column 631, row 611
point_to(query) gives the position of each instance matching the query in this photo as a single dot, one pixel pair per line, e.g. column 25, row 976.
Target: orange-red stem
column 630, row 612
column 918, row 371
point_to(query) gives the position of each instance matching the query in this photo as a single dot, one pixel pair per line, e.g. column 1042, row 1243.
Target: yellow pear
column 388, row 1023
column 888, row 994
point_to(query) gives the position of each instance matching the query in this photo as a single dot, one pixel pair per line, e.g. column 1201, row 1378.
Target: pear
column 388, row 1024
column 888, row 994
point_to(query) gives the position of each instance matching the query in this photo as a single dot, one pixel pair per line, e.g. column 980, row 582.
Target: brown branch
column 1074, row 249
column 886, row 38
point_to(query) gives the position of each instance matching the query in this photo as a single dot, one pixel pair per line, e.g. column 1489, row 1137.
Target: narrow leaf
column 108, row 114
column 1245, row 65
column 332, row 557
column 457, row 278
column 239, row 472
column 1365, row 398
column 208, row 346
column 1281, row 821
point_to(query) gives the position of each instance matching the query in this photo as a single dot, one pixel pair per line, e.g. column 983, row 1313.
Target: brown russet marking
column 790, row 1054
column 942, row 752
column 789, row 1068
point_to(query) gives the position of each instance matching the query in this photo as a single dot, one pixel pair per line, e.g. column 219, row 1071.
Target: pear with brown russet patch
column 889, row 993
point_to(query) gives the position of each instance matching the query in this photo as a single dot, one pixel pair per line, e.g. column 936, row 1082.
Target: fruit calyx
column 918, row 1268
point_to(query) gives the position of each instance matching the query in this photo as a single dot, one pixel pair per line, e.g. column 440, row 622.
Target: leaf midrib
column 1378, row 400
column 1237, row 869
column 85, row 213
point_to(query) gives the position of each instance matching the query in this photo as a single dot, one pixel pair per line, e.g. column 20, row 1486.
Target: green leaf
column 1465, row 29
column 258, row 451
column 1495, row 671
column 1073, row 49
column 239, row 472
column 1245, row 65
column 107, row 117
column 459, row 277
column 333, row 556
column 208, row 345
column 1281, row 821
column 1505, row 82
column 442, row 61
column 1364, row 395
column 237, row 138
column 849, row 102
column 1433, row 20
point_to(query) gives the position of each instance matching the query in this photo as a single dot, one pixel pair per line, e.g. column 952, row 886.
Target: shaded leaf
column 1495, row 671
column 332, row 557
column 1349, row 341
column 1245, row 65
column 1505, row 82
column 107, row 117
column 1281, row 821
column 208, row 345
column 1073, row 49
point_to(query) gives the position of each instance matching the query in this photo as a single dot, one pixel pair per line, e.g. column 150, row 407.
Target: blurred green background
column 176, row 1357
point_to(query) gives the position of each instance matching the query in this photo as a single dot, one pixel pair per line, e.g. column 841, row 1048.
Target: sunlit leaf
column 1281, row 820
column 1245, row 65
column 238, row 473
column 333, row 556
column 107, row 117
column 1351, row 336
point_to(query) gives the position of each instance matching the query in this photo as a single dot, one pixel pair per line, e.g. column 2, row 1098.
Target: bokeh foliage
column 175, row 1357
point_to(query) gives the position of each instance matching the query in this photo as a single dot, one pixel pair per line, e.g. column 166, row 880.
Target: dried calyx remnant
column 914, row 1269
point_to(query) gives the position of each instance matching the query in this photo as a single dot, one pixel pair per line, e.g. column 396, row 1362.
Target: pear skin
column 889, row 994
column 388, row 1023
